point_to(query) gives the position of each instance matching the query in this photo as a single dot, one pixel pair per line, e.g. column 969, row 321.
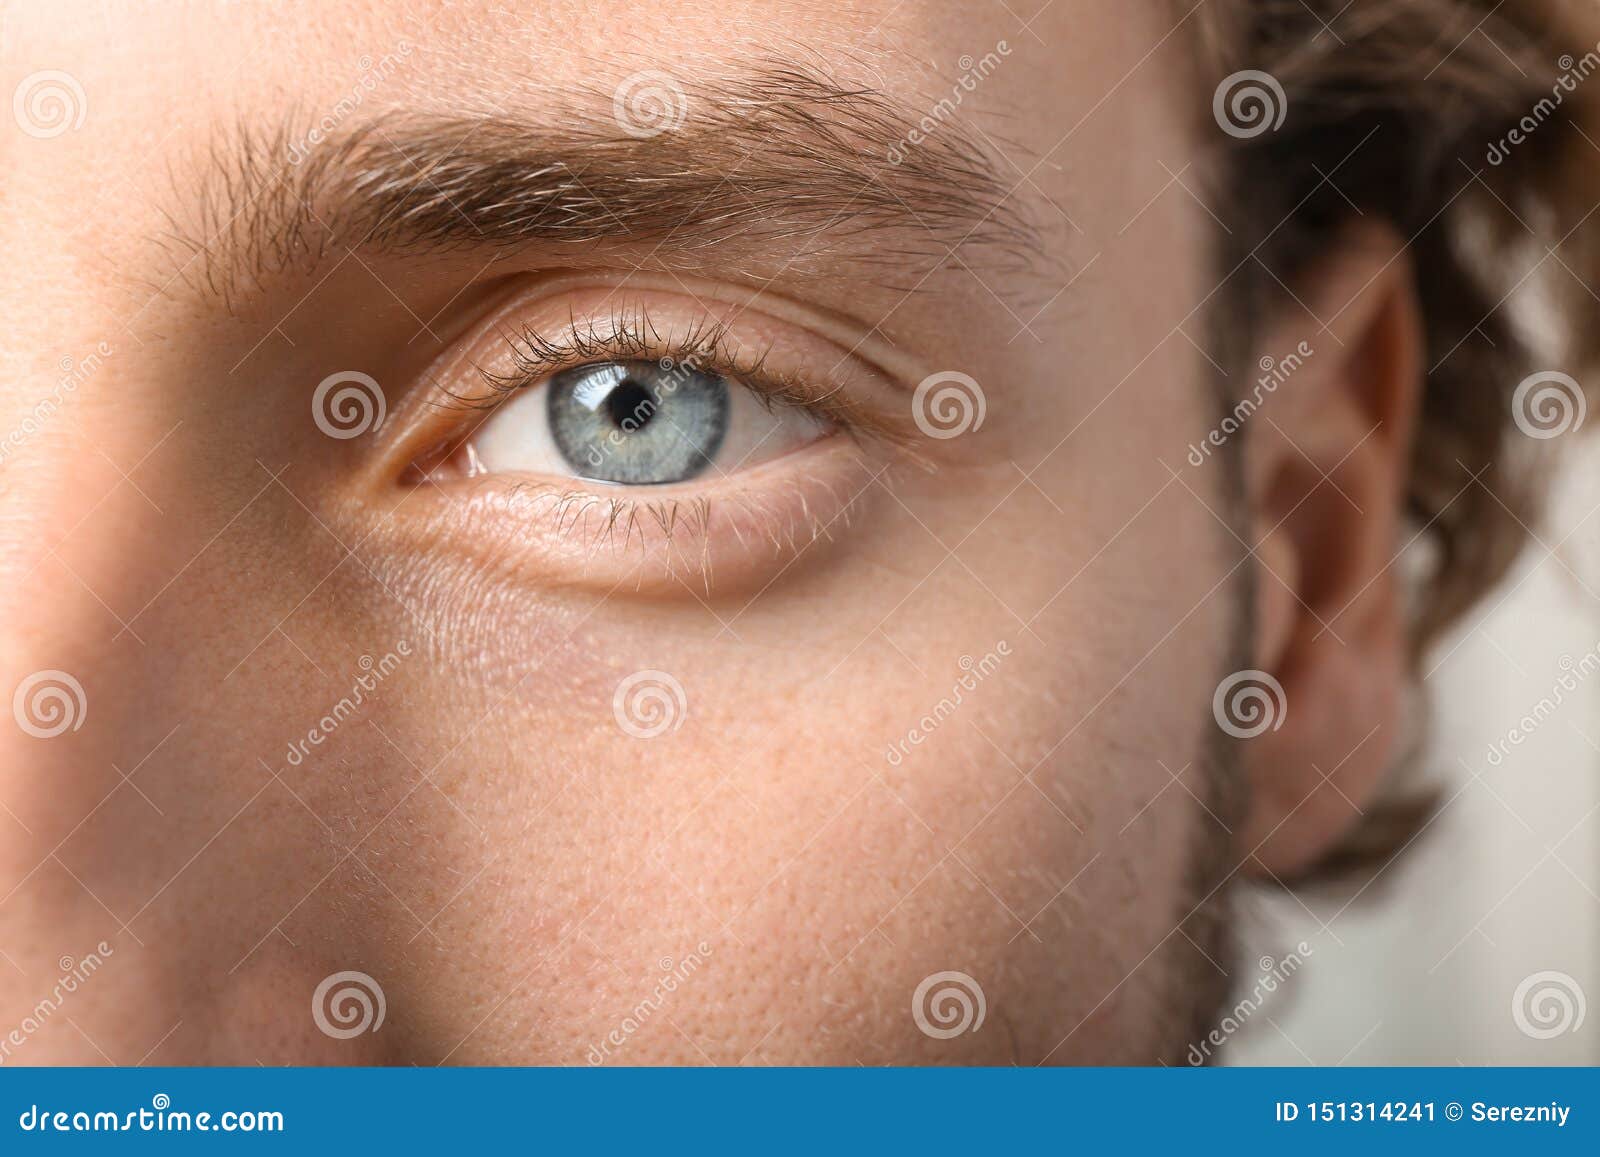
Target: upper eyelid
column 630, row 333
column 625, row 336
column 534, row 355
column 626, row 332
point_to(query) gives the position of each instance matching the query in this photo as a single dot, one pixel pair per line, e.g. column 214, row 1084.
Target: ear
column 1326, row 461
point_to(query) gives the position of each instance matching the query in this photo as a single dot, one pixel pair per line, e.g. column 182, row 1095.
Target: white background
column 1422, row 966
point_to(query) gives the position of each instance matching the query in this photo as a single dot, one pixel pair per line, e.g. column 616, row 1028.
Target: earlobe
column 1327, row 460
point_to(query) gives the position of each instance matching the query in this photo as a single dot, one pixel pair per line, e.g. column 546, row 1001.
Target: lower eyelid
column 729, row 537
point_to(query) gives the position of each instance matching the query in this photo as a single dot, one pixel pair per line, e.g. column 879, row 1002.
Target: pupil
column 630, row 406
column 624, row 422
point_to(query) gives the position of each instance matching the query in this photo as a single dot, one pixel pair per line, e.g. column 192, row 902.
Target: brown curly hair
column 1467, row 125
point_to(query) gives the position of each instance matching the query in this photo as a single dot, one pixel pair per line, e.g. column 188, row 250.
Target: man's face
column 623, row 716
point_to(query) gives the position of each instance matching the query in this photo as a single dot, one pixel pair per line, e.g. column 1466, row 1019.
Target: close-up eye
column 638, row 423
column 635, row 434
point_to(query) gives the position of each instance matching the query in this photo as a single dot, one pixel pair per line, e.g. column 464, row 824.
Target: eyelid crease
column 706, row 346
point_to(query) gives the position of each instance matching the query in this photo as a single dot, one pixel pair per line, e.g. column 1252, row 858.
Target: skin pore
column 494, row 834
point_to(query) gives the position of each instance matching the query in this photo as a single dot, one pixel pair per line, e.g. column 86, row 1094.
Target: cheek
column 842, row 815
column 490, row 642
column 728, row 544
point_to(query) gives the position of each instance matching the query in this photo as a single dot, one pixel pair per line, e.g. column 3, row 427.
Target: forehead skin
column 483, row 840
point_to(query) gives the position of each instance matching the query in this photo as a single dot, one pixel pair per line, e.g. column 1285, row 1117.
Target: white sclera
column 517, row 438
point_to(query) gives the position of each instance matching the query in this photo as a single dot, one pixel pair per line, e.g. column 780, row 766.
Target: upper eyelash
column 626, row 335
column 632, row 334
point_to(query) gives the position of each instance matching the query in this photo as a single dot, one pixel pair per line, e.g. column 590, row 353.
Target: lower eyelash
column 621, row 524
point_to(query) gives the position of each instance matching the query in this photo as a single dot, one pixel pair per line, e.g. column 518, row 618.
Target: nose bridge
column 54, row 346
column 70, row 472
column 69, row 649
column 51, row 629
column 92, row 530
column 81, row 199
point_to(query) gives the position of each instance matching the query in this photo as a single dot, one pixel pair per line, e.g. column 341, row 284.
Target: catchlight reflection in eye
column 638, row 423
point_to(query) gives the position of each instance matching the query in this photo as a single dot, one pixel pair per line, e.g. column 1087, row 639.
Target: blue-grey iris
column 636, row 422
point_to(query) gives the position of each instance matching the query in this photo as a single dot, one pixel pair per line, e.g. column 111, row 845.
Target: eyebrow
column 783, row 164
